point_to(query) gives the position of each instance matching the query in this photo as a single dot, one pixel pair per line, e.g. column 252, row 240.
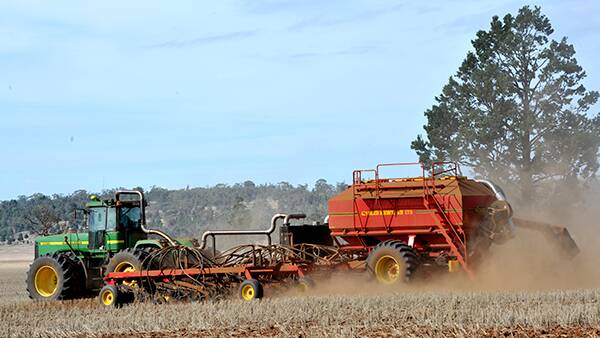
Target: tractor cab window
column 97, row 219
column 101, row 218
column 130, row 217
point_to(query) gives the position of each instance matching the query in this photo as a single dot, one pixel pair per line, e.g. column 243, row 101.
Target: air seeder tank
column 444, row 217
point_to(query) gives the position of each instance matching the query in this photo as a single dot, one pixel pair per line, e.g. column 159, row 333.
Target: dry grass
column 401, row 313
column 342, row 307
column 12, row 283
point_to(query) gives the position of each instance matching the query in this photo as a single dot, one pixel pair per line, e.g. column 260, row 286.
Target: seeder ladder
column 452, row 233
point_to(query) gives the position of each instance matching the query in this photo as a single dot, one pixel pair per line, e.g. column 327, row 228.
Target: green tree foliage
column 515, row 111
column 183, row 212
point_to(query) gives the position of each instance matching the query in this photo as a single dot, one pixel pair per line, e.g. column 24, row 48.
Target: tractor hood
column 58, row 243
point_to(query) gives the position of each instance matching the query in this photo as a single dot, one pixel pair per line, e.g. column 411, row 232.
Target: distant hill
column 182, row 212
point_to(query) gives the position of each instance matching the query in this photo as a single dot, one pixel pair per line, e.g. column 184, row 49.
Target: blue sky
column 141, row 93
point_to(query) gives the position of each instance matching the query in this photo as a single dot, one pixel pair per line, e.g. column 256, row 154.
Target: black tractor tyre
column 392, row 262
column 128, row 260
column 148, row 263
column 56, row 276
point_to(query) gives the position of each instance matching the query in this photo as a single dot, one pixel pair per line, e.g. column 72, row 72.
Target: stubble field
column 511, row 302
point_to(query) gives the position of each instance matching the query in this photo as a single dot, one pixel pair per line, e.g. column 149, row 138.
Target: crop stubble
column 521, row 296
column 398, row 313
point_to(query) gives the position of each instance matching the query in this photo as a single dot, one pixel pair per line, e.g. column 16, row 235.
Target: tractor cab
column 116, row 224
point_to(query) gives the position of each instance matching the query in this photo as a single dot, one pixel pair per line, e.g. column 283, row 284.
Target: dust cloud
column 528, row 262
column 531, row 261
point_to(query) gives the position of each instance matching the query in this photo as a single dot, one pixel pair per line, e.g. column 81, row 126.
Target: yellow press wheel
column 111, row 296
column 108, row 297
column 54, row 277
column 250, row 289
column 392, row 262
column 248, row 292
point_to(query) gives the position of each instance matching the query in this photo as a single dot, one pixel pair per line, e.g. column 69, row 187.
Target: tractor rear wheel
column 392, row 262
column 128, row 260
column 54, row 277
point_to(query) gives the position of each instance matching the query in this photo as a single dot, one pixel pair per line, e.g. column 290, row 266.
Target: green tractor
column 73, row 265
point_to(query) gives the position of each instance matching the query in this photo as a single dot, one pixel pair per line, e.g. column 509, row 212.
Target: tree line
column 182, row 212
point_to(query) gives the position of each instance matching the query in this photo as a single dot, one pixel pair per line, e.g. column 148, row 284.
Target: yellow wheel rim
column 46, row 281
column 248, row 292
column 387, row 270
column 107, row 297
column 126, row 267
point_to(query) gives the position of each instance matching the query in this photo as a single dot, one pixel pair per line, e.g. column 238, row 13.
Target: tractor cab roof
column 96, row 202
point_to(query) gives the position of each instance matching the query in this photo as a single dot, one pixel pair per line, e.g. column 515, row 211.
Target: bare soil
column 21, row 253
